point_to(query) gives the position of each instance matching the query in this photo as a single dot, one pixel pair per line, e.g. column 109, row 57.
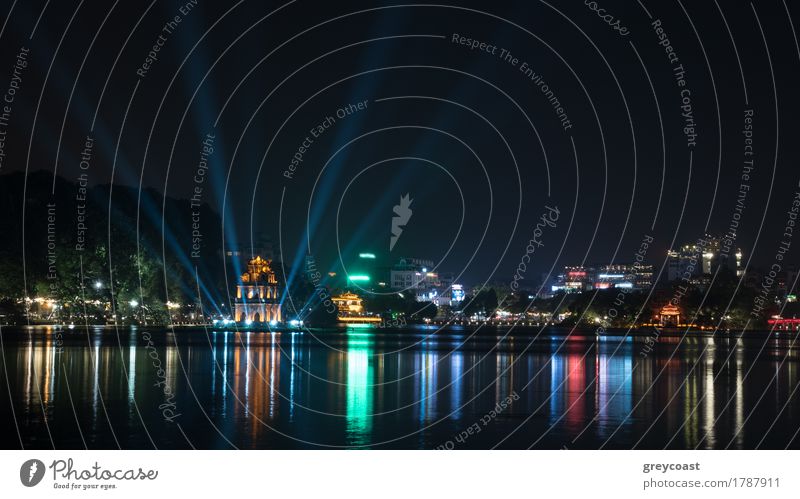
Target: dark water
column 395, row 389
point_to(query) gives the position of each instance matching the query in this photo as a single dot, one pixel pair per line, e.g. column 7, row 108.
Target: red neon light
column 783, row 321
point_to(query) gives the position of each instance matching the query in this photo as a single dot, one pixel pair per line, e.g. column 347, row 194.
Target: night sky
column 475, row 141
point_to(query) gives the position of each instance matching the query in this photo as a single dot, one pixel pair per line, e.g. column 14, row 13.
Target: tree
column 485, row 302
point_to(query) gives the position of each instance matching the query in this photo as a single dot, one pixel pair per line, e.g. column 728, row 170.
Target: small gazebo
column 669, row 315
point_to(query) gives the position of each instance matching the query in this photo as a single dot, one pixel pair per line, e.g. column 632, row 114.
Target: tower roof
column 259, row 271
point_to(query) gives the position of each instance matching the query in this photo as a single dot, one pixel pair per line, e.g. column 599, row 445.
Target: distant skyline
column 306, row 127
column 595, row 203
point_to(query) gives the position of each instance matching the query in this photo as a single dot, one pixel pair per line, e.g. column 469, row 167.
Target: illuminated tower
column 257, row 295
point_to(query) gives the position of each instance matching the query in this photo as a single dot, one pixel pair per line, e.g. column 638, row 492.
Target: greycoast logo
column 31, row 472
column 402, row 214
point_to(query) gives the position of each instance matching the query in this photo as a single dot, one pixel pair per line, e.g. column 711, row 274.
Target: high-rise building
column 631, row 276
column 685, row 262
column 693, row 261
column 417, row 276
column 575, row 279
column 413, row 273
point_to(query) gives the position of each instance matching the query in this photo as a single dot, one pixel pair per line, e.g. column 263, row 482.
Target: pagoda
column 257, row 294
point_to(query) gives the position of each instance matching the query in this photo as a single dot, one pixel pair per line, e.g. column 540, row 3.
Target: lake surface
column 413, row 388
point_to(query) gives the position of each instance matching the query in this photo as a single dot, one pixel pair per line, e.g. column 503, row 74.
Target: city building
column 693, row 261
column 458, row 293
column 257, row 294
column 415, row 275
column 631, row 276
column 575, row 279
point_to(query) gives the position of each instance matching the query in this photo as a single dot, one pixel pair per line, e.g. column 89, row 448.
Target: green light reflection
column 359, row 388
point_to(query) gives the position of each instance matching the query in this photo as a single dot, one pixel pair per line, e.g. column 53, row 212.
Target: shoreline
column 454, row 329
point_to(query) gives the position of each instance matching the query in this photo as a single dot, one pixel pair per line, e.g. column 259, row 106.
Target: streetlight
column 98, row 285
column 133, row 303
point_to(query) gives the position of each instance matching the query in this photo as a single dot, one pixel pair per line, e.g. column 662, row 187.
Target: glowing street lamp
column 133, row 303
column 98, row 285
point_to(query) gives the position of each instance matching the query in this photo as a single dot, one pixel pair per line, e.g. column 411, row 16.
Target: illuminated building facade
column 669, row 316
column 410, row 273
column 443, row 296
column 631, row 276
column 418, row 276
column 693, row 261
column 788, row 320
column 257, row 295
column 351, row 309
column 781, row 324
column 458, row 293
column 573, row 280
column 619, row 276
column 348, row 304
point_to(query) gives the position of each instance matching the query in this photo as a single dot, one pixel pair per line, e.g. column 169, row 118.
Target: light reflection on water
column 359, row 388
column 395, row 389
